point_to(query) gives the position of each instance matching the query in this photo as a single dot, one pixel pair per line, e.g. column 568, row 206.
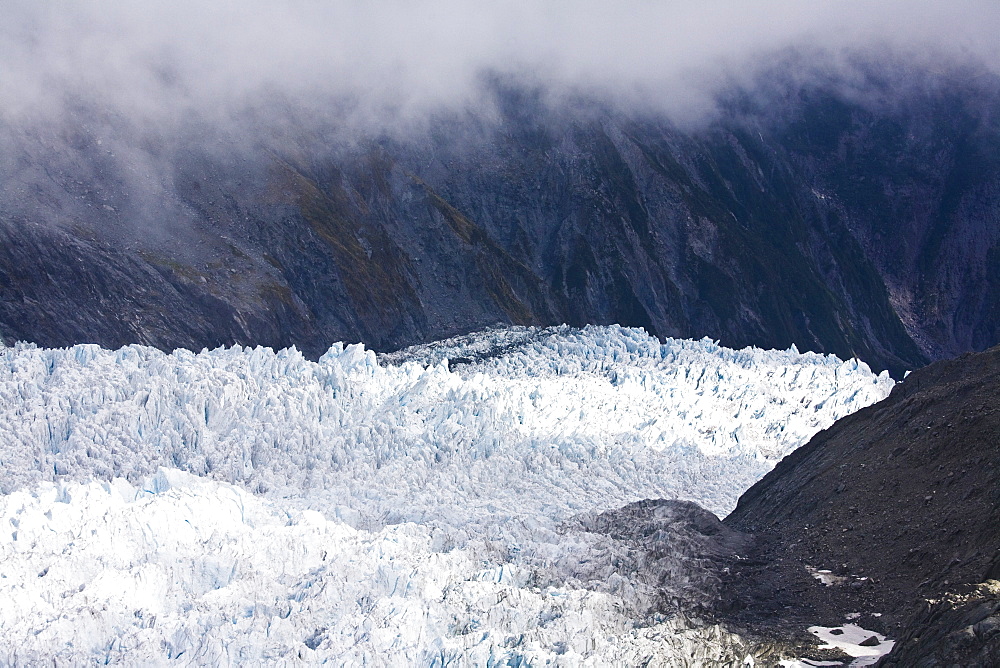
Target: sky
column 161, row 60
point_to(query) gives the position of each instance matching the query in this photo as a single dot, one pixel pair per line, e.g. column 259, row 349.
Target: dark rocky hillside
column 901, row 502
column 863, row 225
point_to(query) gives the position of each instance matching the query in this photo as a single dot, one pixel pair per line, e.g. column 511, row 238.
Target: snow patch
column 828, row 579
column 865, row 646
column 826, row 576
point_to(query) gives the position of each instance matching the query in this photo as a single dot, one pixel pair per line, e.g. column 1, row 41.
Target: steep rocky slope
column 801, row 214
column 899, row 503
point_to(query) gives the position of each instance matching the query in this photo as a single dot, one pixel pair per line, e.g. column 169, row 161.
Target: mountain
column 898, row 504
column 856, row 220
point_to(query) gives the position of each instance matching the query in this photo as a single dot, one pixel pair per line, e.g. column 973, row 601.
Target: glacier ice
column 245, row 505
column 188, row 571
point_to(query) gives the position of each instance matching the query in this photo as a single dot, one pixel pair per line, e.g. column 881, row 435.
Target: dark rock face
column 866, row 230
column 675, row 551
column 959, row 629
column 58, row 288
column 668, row 559
column 901, row 502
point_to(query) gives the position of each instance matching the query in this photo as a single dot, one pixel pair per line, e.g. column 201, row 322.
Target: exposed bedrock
column 899, row 503
column 799, row 215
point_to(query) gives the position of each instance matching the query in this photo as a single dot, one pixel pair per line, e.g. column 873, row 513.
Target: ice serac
column 195, row 572
column 243, row 505
column 604, row 415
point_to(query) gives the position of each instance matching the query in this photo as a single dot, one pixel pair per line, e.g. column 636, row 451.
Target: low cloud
column 393, row 60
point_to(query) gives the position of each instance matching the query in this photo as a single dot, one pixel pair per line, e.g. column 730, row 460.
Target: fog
column 392, row 62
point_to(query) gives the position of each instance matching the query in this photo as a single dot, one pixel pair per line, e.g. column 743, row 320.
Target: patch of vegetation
column 375, row 284
column 495, row 265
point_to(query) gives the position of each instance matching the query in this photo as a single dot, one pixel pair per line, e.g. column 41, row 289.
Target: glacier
column 244, row 505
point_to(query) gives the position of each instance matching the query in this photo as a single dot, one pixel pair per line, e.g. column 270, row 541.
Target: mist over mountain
column 185, row 175
column 801, row 215
column 394, row 63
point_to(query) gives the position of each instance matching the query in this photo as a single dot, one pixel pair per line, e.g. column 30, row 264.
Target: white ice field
column 244, row 506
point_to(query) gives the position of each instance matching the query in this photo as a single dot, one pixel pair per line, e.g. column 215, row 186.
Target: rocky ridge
column 891, row 515
column 800, row 214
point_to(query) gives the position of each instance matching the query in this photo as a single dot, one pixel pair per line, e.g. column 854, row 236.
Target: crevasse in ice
column 248, row 505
